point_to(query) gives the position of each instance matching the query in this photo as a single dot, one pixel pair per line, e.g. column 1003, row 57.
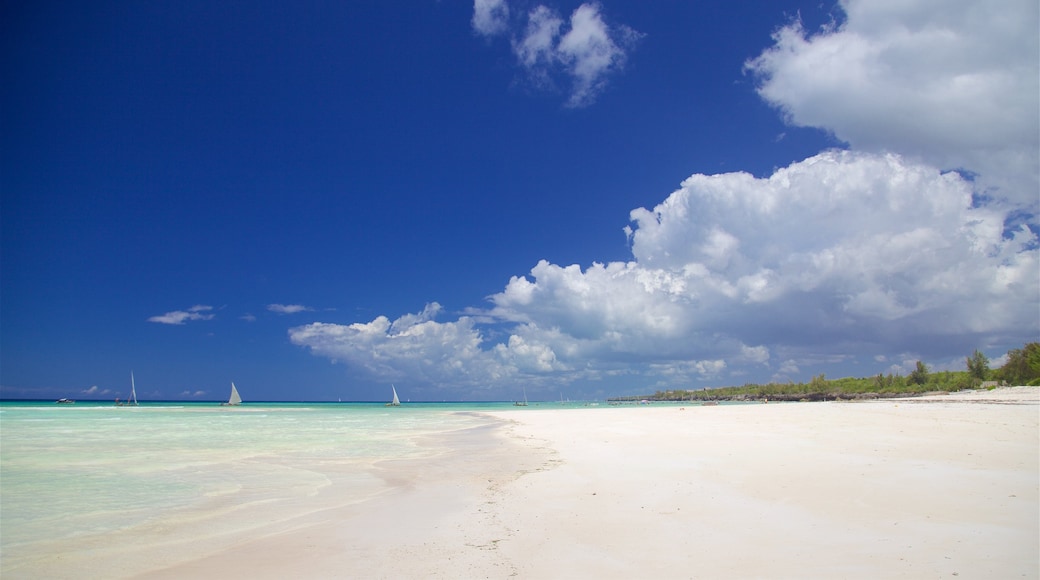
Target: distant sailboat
column 132, row 401
column 524, row 404
column 396, row 402
column 234, row 399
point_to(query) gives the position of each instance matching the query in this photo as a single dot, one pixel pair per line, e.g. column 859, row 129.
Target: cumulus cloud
column 954, row 83
column 197, row 312
column 845, row 240
column 879, row 253
column 413, row 346
column 288, row 308
column 843, row 252
column 843, row 248
column 586, row 52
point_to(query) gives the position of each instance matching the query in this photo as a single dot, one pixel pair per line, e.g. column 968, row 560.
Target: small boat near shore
column 235, row 399
column 132, row 400
column 64, row 401
column 396, row 402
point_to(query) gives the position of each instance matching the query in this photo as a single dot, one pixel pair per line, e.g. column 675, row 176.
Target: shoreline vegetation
column 1022, row 368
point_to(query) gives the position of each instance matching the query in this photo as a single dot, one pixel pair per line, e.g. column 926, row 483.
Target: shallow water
column 74, row 475
column 93, row 478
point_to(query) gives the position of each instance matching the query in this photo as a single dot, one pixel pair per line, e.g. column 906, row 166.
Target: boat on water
column 395, row 402
column 64, row 401
column 521, row 404
column 132, row 400
column 234, row 399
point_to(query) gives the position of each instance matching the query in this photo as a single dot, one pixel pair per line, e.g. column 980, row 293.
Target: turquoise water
column 91, row 475
column 70, row 473
column 101, row 481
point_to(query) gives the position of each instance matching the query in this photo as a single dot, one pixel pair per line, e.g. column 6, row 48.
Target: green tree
column 818, row 384
column 1023, row 365
column 879, row 383
column 919, row 376
column 978, row 365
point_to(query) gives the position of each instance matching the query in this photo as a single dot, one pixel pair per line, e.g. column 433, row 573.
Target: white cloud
column 586, row 53
column 590, row 52
column 788, row 368
column 953, row 82
column 536, row 50
column 839, row 253
column 490, row 17
column 847, row 256
column 755, row 354
column 528, row 356
column 842, row 243
column 288, row 308
column 841, row 240
column 412, row 346
column 407, row 321
column 710, row 368
column 197, row 312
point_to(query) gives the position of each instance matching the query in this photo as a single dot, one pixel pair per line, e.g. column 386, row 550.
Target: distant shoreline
column 796, row 397
column 737, row 395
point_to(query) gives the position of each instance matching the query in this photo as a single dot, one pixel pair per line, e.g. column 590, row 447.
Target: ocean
column 95, row 482
column 93, row 476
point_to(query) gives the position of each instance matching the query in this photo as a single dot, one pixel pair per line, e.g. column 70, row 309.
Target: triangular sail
column 235, row 399
column 396, row 402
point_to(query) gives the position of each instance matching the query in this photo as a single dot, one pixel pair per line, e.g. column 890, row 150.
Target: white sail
column 235, row 399
column 133, row 391
column 396, row 402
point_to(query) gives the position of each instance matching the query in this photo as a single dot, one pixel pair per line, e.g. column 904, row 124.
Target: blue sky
column 318, row 199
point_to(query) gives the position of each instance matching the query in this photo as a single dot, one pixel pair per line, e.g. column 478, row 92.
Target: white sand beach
column 936, row 487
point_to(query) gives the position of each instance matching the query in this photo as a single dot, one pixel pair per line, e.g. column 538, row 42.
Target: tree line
column 1021, row 368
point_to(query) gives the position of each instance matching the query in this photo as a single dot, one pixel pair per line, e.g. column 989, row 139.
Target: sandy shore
column 922, row 488
column 941, row 487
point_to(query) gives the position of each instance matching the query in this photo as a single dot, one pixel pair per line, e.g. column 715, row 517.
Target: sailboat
column 396, row 402
column 234, row 399
column 518, row 403
column 132, row 401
